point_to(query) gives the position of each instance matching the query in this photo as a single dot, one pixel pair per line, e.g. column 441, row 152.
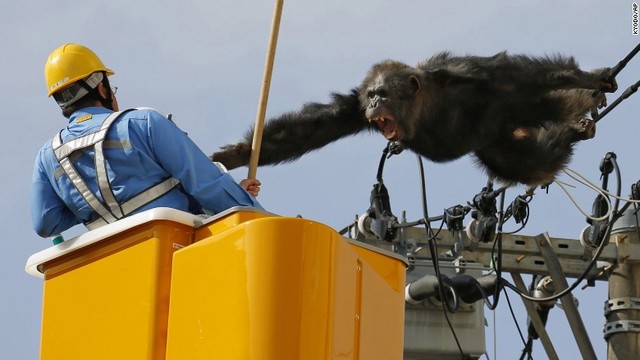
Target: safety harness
column 109, row 210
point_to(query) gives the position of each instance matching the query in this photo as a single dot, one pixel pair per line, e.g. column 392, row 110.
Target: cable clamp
column 621, row 326
column 622, row 303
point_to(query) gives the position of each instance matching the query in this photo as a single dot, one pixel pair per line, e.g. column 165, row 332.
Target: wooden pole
column 264, row 90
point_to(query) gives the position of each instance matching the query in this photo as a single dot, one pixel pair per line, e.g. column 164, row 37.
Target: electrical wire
column 528, row 347
column 515, row 320
column 496, row 256
column 574, row 285
column 615, row 215
column 629, row 91
column 484, row 295
column 419, row 222
column 584, row 181
column 434, row 255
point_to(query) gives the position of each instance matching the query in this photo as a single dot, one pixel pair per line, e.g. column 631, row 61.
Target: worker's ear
column 102, row 90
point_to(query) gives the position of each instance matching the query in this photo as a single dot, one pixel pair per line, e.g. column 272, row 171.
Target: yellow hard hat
column 70, row 63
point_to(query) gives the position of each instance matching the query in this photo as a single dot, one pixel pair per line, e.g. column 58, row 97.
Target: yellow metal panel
column 382, row 314
column 225, row 221
column 282, row 288
column 387, row 268
column 110, row 300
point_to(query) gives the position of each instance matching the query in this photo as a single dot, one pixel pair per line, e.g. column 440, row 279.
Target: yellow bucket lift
column 244, row 284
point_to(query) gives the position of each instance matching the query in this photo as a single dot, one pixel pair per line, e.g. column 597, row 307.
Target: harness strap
column 101, row 169
column 139, row 200
column 79, row 183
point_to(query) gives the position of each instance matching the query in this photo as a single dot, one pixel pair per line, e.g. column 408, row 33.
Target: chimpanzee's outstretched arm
column 291, row 135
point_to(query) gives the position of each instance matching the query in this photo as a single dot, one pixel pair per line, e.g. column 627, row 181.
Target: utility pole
column 622, row 310
column 568, row 258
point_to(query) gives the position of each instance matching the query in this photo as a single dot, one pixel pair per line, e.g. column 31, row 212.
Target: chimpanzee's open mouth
column 388, row 126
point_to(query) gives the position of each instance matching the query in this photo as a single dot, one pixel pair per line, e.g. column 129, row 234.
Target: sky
column 203, row 62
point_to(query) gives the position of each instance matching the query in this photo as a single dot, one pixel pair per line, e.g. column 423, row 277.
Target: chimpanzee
column 518, row 115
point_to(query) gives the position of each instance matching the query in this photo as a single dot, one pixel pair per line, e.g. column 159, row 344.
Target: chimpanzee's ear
column 415, row 84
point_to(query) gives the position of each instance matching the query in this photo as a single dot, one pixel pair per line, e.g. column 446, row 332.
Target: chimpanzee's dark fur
column 518, row 115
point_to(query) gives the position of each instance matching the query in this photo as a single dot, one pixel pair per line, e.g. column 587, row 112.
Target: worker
column 108, row 164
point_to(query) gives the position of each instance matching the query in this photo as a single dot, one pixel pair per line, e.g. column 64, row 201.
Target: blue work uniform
column 142, row 148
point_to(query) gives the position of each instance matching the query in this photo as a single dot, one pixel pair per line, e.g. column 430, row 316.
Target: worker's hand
column 251, row 185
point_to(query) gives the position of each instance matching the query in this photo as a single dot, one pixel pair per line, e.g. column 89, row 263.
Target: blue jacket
column 142, row 148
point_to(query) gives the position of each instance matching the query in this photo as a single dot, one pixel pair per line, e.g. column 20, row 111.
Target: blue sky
column 203, row 61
